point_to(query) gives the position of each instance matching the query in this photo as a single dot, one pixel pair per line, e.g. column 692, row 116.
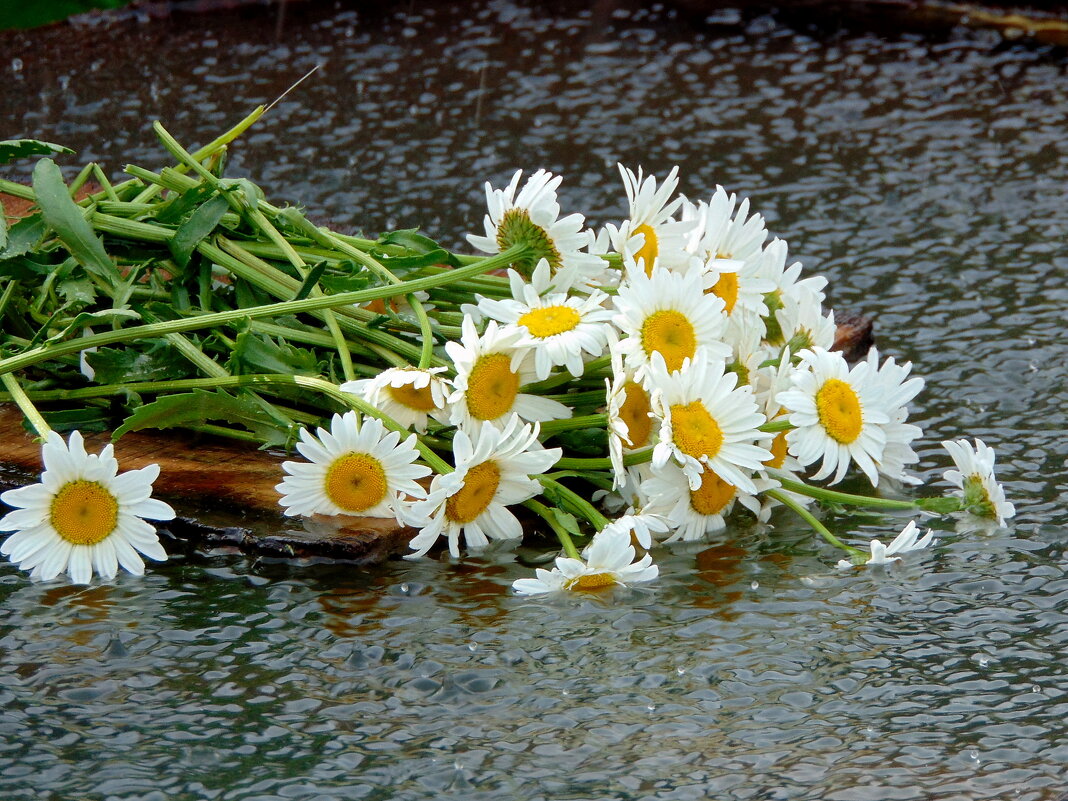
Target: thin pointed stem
column 26, row 405
column 809, row 518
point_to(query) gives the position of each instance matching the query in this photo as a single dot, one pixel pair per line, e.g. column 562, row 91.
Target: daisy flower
column 974, row 478
column 838, row 415
column 722, row 233
column 807, row 292
column 608, row 560
column 630, row 415
column 557, row 327
column 694, row 513
column 493, row 471
column 650, row 235
column 708, row 421
column 83, row 516
column 908, row 540
column 896, row 392
column 802, row 325
column 353, row 468
column 668, row 314
column 533, row 218
column 407, row 394
column 489, row 372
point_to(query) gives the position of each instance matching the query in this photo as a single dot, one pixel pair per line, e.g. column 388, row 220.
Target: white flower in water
column 558, row 328
column 406, row 394
column 493, row 471
column 838, row 413
column 650, row 236
column 490, row 369
column 608, row 560
column 83, row 516
column 533, row 218
column 974, row 478
column 908, row 540
column 353, row 468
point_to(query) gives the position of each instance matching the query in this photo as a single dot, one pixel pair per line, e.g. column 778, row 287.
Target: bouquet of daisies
column 628, row 387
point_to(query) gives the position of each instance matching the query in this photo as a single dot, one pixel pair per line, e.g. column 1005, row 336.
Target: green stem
column 632, row 458
column 576, row 502
column 831, row 496
column 549, row 517
column 26, row 405
column 808, row 517
column 583, row 421
column 44, row 352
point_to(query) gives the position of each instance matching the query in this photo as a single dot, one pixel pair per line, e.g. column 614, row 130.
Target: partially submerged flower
column 83, row 516
column 908, row 540
column 607, row 561
column 982, row 495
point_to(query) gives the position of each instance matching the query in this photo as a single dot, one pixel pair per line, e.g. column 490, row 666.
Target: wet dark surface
column 926, row 179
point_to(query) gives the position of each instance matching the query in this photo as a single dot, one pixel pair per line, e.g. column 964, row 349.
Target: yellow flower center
column 419, row 398
column 670, row 333
column 634, row 411
column 550, row 320
column 649, row 251
column 726, row 289
column 492, row 386
column 778, row 451
column 694, row 431
column 356, row 482
column 84, row 512
column 471, row 500
column 712, row 496
column 517, row 227
column 593, row 581
column 839, row 410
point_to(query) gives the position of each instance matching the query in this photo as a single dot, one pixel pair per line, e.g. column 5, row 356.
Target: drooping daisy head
column 668, row 314
column 708, row 421
column 532, row 218
column 490, row 369
column 493, row 471
column 908, row 540
column 83, row 516
column 559, row 328
column 356, row 467
column 983, row 496
column 649, row 236
column 630, row 416
column 609, row 560
column 838, row 416
column 409, row 395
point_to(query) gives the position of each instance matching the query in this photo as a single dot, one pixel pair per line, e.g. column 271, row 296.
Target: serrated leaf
column 117, row 365
column 23, row 236
column 200, row 406
column 77, row 291
column 11, row 149
column 194, row 230
column 345, row 283
column 64, row 216
column 258, row 353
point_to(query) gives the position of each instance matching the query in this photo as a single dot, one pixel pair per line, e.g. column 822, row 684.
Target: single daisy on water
column 668, row 314
column 838, row 415
column 982, row 495
column 493, row 471
column 557, row 327
column 708, row 421
column 908, row 540
column 533, row 218
column 353, row 468
column 83, row 516
column 489, row 372
column 406, row 394
column 608, row 560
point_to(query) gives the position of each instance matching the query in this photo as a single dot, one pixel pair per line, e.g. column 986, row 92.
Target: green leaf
column 258, row 353
column 23, row 236
column 11, row 149
column 409, row 238
column 77, row 291
column 89, row 418
column 161, row 362
column 200, row 406
column 345, row 283
column 430, row 258
column 567, row 521
column 3, row 229
column 586, row 442
column 86, row 319
column 65, row 217
column 311, row 280
column 195, row 229
column 180, row 206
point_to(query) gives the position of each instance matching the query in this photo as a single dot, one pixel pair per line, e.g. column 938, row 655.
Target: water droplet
column 404, row 587
column 16, row 65
column 754, row 584
column 973, row 755
column 651, row 708
column 681, row 671
column 564, row 692
column 1037, row 688
column 472, row 646
column 983, row 661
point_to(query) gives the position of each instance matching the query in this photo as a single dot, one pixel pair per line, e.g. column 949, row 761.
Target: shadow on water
column 925, row 177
